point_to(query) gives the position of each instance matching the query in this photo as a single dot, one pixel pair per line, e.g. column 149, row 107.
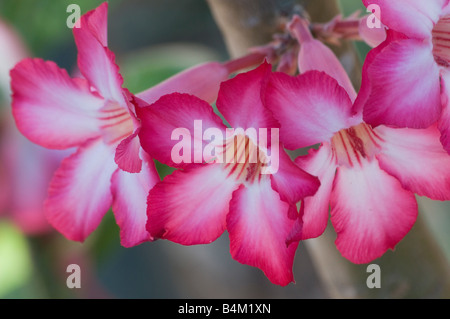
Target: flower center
column 117, row 123
column 243, row 159
column 352, row 144
column 441, row 41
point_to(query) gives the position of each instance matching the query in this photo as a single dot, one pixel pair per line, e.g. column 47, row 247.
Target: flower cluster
column 370, row 151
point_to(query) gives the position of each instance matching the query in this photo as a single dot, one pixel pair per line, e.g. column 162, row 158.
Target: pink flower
column 223, row 189
column 406, row 78
column 368, row 175
column 25, row 169
column 95, row 115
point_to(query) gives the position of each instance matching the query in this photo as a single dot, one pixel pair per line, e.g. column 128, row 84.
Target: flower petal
column 95, row 60
column 130, row 192
column 50, row 108
column 190, row 207
column 127, row 154
column 79, row 193
column 417, row 159
column 372, row 36
column 316, row 208
column 240, row 100
column 316, row 56
column 310, row 107
column 370, row 211
column 405, row 89
column 291, row 182
column 444, row 121
column 258, row 226
column 174, row 113
column 414, row 18
column 201, row 80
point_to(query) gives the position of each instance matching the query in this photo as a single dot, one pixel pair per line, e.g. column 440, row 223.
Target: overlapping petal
column 414, row 18
column 190, row 206
column 52, row 109
column 79, row 193
column 404, row 86
column 314, row 99
column 370, row 211
column 258, row 225
column 130, row 192
column 95, row 60
column 320, row 163
column 165, row 121
column 240, row 100
column 417, row 159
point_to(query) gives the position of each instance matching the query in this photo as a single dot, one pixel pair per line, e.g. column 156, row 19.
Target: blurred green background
column 152, row 40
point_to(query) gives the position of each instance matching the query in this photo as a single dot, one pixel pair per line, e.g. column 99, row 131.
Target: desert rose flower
column 232, row 179
column 406, row 78
column 368, row 175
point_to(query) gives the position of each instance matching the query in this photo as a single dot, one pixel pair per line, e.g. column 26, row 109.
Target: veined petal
column 240, row 100
column 313, row 99
column 405, row 90
column 320, row 163
column 95, row 60
column 130, row 192
column 201, row 80
column 79, row 193
column 417, row 159
column 177, row 119
column 414, row 18
column 370, row 211
column 291, row 182
column 50, row 108
column 258, row 226
column 189, row 207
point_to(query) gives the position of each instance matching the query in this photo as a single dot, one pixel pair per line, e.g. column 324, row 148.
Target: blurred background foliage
column 152, row 40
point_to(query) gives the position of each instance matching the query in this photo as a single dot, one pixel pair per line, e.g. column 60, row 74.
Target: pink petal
column 310, row 107
column 365, row 89
column 258, row 226
column 370, row 211
column 130, row 192
column 190, row 207
column 240, row 100
column 172, row 113
column 314, row 55
column 372, row 36
column 13, row 50
column 320, row 163
column 291, row 182
column 444, row 121
column 201, row 80
column 95, row 60
column 414, row 18
column 417, row 159
column 50, row 108
column 127, row 154
column 404, row 86
column 79, row 193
